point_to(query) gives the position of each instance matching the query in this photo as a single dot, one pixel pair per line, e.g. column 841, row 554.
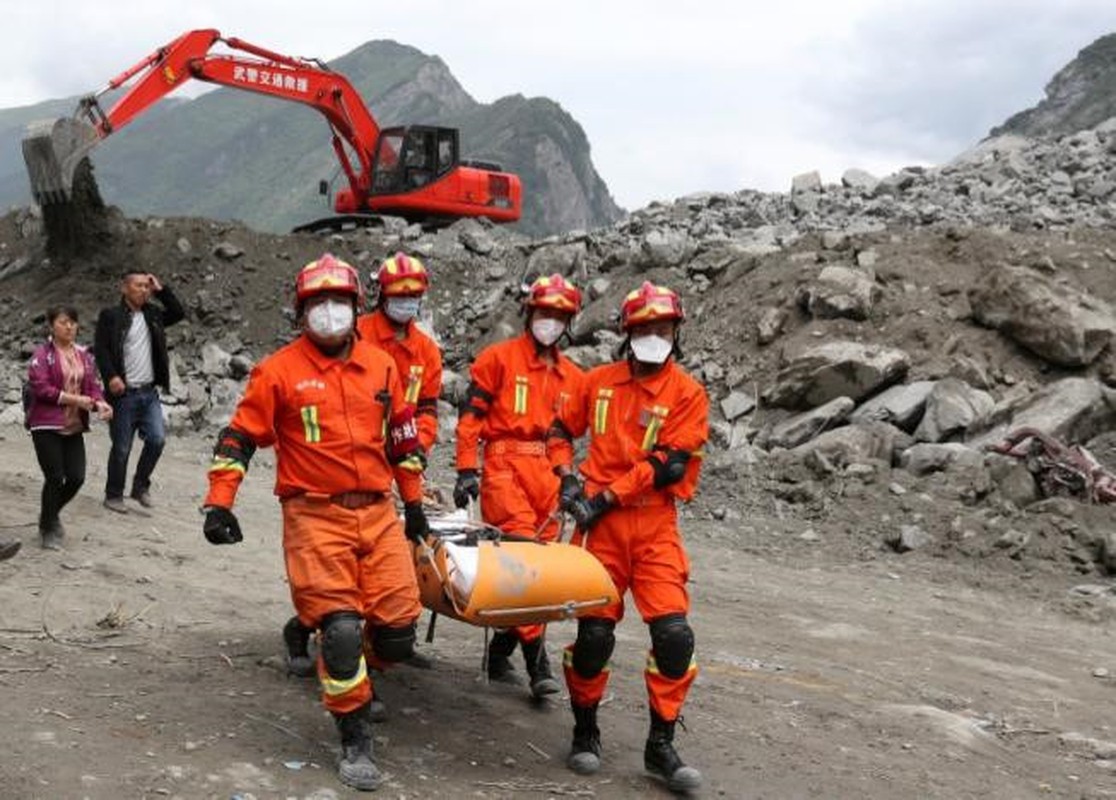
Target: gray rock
column 861, row 443
column 736, row 405
column 803, row 427
column 806, row 182
column 836, row 369
column 215, row 361
column 770, row 325
column 1013, row 480
column 923, row 459
column 860, row 181
column 952, row 407
column 841, row 292
column 1058, row 323
column 227, row 251
column 475, row 238
column 908, row 538
column 1072, row 410
column 902, row 405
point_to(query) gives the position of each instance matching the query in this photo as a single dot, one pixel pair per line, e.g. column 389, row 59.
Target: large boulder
column 840, row 292
column 952, row 407
column 836, row 369
column 902, row 405
column 1072, row 410
column 1054, row 321
column 802, row 427
column 859, row 443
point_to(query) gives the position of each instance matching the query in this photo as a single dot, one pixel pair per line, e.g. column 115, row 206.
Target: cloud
column 674, row 97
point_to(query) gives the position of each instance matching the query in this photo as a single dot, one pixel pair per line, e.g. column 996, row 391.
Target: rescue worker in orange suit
column 647, row 421
column 333, row 408
column 516, row 388
column 402, row 281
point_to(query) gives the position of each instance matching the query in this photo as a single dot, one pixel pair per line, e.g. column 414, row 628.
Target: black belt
column 142, row 387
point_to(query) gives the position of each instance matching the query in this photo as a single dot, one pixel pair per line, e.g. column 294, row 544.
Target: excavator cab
column 408, row 158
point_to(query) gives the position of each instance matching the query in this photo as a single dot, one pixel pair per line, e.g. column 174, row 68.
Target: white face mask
column 652, row 349
column 547, row 331
column 330, row 319
column 402, row 309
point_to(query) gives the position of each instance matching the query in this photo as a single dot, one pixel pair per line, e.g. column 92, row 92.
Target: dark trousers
column 137, row 410
column 62, row 459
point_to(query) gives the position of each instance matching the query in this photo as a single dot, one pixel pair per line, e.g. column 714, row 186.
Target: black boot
column 499, row 664
column 660, row 758
column 538, row 669
column 52, row 535
column 356, row 768
column 585, row 751
column 297, row 639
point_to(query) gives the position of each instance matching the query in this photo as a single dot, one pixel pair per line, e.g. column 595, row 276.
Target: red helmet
column 650, row 303
column 402, row 275
column 554, row 291
column 327, row 274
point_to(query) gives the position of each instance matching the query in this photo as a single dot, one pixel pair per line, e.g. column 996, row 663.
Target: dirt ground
column 142, row 662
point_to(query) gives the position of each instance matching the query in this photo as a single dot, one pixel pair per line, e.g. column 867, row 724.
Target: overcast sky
column 675, row 97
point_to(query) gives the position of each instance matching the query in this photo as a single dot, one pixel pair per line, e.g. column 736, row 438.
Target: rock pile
column 874, row 334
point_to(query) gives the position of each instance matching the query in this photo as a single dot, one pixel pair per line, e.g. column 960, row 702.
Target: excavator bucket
column 52, row 150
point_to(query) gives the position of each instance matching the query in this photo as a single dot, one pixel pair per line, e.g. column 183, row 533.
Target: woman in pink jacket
column 65, row 388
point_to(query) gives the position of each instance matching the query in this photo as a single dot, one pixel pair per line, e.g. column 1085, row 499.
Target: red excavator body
column 410, row 171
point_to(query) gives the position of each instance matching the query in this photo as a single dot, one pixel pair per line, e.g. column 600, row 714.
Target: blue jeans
column 135, row 410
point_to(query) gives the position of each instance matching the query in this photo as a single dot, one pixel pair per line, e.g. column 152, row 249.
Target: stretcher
column 475, row 573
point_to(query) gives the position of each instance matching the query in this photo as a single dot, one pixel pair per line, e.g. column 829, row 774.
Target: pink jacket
column 44, row 376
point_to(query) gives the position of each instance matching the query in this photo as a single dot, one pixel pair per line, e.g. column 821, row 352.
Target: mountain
column 1081, row 95
column 232, row 154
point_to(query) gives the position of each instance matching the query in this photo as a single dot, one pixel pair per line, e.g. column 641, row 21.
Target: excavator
column 411, row 171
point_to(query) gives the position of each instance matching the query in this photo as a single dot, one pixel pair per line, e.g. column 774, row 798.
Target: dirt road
column 144, row 663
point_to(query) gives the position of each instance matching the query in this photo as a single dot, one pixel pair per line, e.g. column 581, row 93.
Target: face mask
column 402, row 309
column 330, row 319
column 652, row 349
column 547, row 331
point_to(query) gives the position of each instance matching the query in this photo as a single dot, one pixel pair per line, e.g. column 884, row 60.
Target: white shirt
column 138, row 369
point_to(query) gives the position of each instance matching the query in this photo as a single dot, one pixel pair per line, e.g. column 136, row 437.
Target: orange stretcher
column 474, row 572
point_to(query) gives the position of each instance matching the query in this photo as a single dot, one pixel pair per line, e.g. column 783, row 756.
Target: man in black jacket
column 131, row 350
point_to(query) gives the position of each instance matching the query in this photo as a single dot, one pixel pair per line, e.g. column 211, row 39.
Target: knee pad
column 393, row 644
column 342, row 647
column 672, row 644
column 593, row 647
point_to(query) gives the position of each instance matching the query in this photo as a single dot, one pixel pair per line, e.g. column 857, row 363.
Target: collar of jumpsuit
column 380, row 328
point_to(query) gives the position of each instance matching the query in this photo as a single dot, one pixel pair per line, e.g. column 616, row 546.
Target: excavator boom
column 411, row 171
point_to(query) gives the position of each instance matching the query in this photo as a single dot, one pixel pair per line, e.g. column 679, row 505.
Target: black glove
column 669, row 466
column 586, row 511
column 466, row 488
column 220, row 526
column 569, row 492
column 415, row 526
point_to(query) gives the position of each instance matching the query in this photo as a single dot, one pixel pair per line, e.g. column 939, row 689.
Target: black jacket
column 112, row 326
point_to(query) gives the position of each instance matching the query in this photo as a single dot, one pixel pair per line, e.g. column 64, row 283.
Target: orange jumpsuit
column 637, row 541
column 326, row 418
column 514, row 395
column 420, row 368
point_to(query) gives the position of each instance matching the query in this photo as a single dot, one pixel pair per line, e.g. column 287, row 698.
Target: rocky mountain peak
column 1080, row 96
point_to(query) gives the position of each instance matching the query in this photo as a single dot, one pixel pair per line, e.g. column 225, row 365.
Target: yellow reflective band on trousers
column 339, row 686
column 520, row 394
column 567, row 661
column 600, row 411
column 653, row 667
column 310, row 424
